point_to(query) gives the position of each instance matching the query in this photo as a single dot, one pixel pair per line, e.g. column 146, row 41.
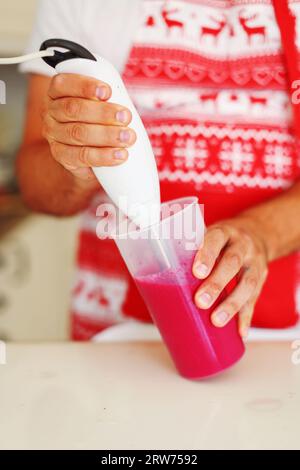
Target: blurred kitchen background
column 36, row 252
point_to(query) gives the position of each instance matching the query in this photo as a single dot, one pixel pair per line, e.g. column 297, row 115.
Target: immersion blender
column 134, row 185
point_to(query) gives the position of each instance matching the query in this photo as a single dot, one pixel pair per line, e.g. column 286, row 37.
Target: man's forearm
column 48, row 187
column 278, row 223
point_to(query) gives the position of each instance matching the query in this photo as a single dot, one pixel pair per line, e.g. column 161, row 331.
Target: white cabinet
column 36, row 275
column 16, row 19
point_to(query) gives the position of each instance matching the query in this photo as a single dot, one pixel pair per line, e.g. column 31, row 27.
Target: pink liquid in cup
column 198, row 348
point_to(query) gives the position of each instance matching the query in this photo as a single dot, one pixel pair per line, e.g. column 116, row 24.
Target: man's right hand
column 82, row 128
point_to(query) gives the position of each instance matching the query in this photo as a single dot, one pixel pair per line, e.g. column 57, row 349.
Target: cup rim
column 193, row 200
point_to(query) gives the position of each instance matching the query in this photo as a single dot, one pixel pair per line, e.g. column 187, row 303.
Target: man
column 212, row 82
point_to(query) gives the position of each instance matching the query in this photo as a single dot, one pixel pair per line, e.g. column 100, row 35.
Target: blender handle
column 134, row 185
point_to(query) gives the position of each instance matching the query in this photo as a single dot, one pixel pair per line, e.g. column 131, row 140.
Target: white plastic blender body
column 133, row 186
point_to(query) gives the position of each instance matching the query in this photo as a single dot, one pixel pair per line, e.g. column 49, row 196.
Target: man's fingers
column 214, row 241
column 78, row 133
column 246, row 312
column 74, row 157
column 80, row 86
column 228, row 267
column 87, row 111
column 235, row 302
column 245, row 317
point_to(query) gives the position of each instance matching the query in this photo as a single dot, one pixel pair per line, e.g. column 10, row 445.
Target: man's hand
column 231, row 248
column 82, row 128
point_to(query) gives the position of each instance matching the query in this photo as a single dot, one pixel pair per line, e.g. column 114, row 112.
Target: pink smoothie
column 198, row 348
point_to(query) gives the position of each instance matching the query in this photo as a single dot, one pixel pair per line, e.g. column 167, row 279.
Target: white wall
column 16, row 18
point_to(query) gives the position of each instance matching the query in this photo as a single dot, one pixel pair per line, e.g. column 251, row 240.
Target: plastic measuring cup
column 160, row 260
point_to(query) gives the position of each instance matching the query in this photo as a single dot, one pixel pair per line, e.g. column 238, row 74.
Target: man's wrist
column 258, row 224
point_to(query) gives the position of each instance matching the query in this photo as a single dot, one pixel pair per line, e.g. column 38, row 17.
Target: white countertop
column 128, row 396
